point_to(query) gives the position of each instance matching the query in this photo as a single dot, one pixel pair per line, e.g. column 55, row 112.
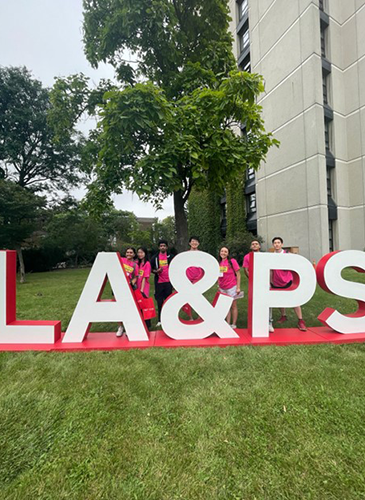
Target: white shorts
column 231, row 291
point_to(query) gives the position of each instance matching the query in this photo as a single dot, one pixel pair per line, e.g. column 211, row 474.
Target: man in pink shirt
column 255, row 247
column 283, row 279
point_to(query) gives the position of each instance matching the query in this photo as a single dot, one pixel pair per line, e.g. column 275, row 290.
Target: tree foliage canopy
column 29, row 153
column 178, row 44
column 178, row 128
column 156, row 146
column 72, row 230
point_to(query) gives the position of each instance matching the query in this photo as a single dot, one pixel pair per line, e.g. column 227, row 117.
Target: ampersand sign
column 212, row 316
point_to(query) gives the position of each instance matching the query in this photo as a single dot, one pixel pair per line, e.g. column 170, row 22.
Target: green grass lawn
column 233, row 423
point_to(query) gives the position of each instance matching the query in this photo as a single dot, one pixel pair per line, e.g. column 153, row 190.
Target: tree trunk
column 21, row 264
column 181, row 222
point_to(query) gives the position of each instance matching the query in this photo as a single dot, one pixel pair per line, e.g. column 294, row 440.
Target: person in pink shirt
column 131, row 270
column 283, row 279
column 255, row 247
column 144, row 271
column 229, row 282
column 130, row 266
column 194, row 274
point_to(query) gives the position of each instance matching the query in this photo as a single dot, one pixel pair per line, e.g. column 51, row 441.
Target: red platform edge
column 107, row 341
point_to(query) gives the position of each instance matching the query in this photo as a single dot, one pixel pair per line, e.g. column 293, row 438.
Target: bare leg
column 228, row 317
column 283, row 317
column 298, row 312
column 234, row 312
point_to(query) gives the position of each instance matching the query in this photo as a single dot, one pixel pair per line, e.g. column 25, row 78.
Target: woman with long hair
column 131, row 270
column 229, row 282
column 144, row 271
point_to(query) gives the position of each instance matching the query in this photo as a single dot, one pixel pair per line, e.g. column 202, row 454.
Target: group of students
column 139, row 267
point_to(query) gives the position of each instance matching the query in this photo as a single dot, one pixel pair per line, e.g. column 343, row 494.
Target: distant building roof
column 146, row 222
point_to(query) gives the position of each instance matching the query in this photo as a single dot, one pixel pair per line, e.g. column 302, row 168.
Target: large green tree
column 179, row 129
column 30, row 155
column 176, row 44
column 156, row 146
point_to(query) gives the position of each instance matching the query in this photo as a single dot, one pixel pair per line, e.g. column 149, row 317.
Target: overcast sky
column 46, row 37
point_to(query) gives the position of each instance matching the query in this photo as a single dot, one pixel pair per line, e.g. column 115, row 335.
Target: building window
column 246, row 64
column 244, row 40
column 329, row 182
column 242, row 9
column 330, row 235
column 323, row 43
column 323, row 5
column 250, row 173
column 252, row 203
column 327, row 136
column 325, row 89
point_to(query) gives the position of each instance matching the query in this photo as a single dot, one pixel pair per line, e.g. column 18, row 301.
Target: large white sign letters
column 262, row 298
column 329, row 276
column 212, row 318
column 11, row 330
column 91, row 309
column 124, row 308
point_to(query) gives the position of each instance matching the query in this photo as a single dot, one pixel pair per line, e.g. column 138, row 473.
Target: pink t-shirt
column 246, row 261
column 130, row 268
column 281, row 278
column 228, row 278
column 163, row 277
column 144, row 272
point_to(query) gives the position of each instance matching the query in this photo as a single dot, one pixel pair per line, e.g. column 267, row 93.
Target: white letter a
column 91, row 309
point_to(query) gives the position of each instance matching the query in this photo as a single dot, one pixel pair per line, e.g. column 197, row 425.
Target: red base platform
column 107, row 341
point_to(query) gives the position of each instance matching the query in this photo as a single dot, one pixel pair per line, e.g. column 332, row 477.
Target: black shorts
column 288, row 285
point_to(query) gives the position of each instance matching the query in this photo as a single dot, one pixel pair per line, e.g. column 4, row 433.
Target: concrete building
column 311, row 190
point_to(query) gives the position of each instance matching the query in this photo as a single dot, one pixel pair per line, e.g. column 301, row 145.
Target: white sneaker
column 271, row 328
column 233, row 326
column 120, row 331
column 159, row 323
